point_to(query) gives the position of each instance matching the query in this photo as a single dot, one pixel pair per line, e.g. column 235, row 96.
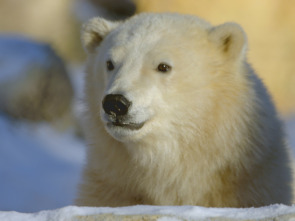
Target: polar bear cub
column 176, row 116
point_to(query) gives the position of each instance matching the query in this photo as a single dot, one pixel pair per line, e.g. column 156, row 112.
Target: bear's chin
column 126, row 126
column 124, row 132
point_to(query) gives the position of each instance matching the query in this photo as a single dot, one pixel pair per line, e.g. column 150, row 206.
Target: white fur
column 211, row 135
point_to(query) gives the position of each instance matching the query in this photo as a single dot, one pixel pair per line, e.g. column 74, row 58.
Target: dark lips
column 130, row 126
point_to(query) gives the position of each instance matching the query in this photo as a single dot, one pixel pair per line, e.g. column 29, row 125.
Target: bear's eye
column 164, row 67
column 110, row 65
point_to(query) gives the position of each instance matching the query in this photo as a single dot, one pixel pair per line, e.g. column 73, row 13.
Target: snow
column 167, row 212
column 39, row 166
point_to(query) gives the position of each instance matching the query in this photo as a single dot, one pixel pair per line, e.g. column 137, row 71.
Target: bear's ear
column 94, row 31
column 230, row 39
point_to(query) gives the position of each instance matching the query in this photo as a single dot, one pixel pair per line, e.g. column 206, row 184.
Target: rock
column 34, row 84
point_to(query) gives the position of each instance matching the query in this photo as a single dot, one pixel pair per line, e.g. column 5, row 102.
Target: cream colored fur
column 211, row 135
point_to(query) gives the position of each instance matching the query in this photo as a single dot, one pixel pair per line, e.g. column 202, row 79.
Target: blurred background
column 41, row 83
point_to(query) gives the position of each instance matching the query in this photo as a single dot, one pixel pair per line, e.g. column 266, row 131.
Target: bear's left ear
column 230, row 38
column 94, row 31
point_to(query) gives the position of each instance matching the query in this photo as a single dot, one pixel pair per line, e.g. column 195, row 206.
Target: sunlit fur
column 211, row 135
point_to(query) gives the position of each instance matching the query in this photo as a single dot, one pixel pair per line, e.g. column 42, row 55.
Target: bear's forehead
column 143, row 32
column 165, row 20
column 148, row 29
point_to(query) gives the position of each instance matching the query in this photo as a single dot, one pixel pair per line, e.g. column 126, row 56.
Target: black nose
column 116, row 104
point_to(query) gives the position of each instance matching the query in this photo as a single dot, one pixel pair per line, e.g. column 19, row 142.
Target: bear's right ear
column 94, row 31
column 230, row 39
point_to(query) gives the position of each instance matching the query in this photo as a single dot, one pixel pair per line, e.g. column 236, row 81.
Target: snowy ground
column 168, row 213
column 39, row 167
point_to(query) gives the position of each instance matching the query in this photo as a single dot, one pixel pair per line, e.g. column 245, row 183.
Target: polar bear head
column 158, row 74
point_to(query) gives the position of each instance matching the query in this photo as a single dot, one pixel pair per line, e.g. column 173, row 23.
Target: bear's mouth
column 130, row 126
